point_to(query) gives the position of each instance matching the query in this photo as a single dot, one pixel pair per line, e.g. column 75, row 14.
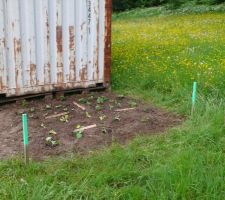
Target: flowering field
column 168, row 53
column 154, row 58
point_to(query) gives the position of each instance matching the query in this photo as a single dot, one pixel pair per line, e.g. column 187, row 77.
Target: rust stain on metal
column 83, row 74
column 71, row 32
column 59, row 54
column 47, row 66
column 108, row 27
column 59, row 38
column 17, row 81
column 32, row 74
column 17, row 48
column 72, row 53
column 1, row 83
column 17, row 55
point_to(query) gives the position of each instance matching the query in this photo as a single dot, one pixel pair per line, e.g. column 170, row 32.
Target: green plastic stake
column 194, row 97
column 25, row 137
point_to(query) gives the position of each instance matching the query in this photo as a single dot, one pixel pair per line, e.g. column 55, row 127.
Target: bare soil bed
column 58, row 126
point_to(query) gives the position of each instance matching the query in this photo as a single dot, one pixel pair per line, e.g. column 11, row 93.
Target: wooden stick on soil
column 57, row 115
column 125, row 109
column 79, row 106
column 86, row 128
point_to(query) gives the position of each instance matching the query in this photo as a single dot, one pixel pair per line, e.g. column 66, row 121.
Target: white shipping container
column 52, row 45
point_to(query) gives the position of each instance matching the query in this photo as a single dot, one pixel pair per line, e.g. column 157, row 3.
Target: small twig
column 85, row 128
column 125, row 109
column 79, row 106
column 57, row 115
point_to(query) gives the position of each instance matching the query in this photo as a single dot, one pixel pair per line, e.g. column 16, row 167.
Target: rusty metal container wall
column 48, row 45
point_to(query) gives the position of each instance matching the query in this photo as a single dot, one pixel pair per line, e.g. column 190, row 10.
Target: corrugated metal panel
column 50, row 45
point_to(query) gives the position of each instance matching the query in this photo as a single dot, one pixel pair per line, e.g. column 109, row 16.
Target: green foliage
column 119, row 5
column 209, row 2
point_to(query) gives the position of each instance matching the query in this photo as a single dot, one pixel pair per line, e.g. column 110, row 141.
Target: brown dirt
column 116, row 126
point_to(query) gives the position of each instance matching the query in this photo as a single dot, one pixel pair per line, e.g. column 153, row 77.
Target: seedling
column 111, row 107
column 103, row 117
column 24, row 103
column 118, row 104
column 104, row 130
column 120, row 97
column 78, row 132
column 43, row 125
column 83, row 100
column 62, row 98
column 49, row 141
column 64, row 118
column 132, row 104
column 146, row 110
column 52, row 132
column 145, row 119
column 102, row 100
column 98, row 108
column 91, row 98
column 88, row 115
column 117, row 118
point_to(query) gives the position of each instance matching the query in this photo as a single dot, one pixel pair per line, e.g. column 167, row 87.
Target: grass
column 156, row 59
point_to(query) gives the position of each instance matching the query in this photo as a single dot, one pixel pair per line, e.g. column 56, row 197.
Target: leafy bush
column 209, row 2
column 119, row 5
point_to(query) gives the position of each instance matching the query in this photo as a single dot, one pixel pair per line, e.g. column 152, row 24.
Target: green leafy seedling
column 132, row 104
column 62, row 98
column 83, row 100
column 102, row 100
column 49, row 141
column 98, row 108
column 91, row 98
column 24, row 103
column 64, row 118
column 102, row 117
column 145, row 119
column 43, row 125
column 104, row 130
column 120, row 97
column 117, row 118
column 52, row 132
column 78, row 132
column 118, row 104
column 88, row 115
column 111, row 107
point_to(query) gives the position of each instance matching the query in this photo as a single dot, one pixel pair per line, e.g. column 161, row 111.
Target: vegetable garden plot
column 78, row 123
